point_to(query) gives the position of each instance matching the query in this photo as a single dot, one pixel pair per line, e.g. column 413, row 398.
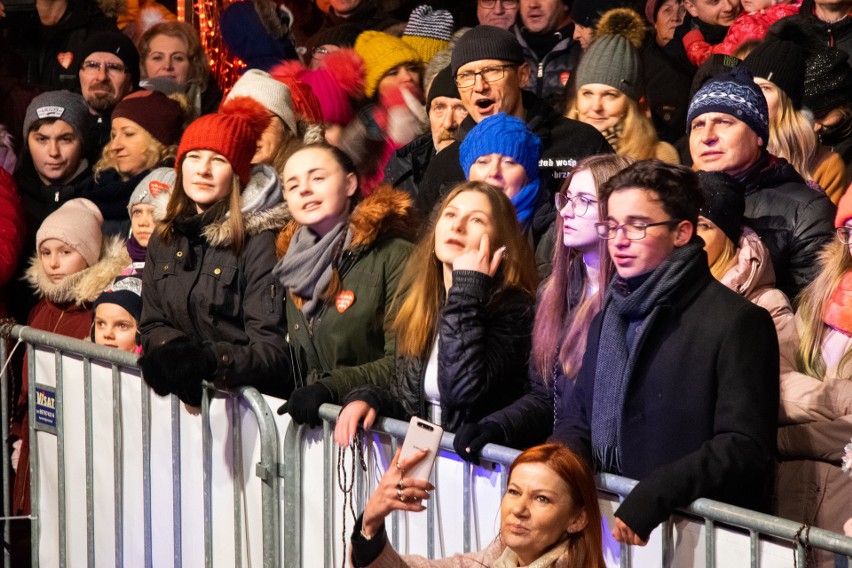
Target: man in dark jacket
column 446, row 111
column 679, row 382
column 829, row 20
column 728, row 130
column 546, row 34
column 489, row 67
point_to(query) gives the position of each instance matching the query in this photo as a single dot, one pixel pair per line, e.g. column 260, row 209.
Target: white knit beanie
column 268, row 91
column 76, row 223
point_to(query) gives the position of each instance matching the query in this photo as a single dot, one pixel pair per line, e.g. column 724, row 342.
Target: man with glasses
column 728, row 126
column 498, row 13
column 108, row 67
column 489, row 70
column 679, row 383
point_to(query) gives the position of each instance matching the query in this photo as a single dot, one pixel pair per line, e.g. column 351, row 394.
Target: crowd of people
column 620, row 226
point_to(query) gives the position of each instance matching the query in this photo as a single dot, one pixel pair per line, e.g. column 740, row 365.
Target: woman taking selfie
column 211, row 309
column 463, row 327
column 549, row 516
column 341, row 260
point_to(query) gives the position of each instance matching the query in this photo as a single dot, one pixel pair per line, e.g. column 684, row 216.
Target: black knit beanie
column 486, row 42
column 116, row 43
column 782, row 63
column 828, row 81
column 442, row 86
column 724, row 202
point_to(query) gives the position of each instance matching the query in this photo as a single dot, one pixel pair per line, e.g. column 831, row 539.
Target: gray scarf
column 616, row 359
column 307, row 268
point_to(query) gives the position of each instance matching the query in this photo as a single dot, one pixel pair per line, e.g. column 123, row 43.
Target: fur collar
column 385, row 214
column 219, row 233
column 85, row 286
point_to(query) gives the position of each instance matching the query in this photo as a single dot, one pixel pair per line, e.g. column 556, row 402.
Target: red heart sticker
column 65, row 58
column 344, row 300
column 155, row 188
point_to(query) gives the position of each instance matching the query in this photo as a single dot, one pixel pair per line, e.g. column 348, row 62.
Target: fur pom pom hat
column 336, row 83
column 233, row 131
column 305, row 102
column 613, row 57
column 77, row 224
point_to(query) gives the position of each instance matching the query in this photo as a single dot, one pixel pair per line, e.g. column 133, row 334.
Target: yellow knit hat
column 428, row 31
column 382, row 52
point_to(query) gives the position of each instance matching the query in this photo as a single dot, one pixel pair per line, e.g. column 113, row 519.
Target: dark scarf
column 713, row 33
column 543, row 43
column 191, row 227
column 613, row 135
column 307, row 268
column 135, row 250
column 111, row 192
column 617, row 359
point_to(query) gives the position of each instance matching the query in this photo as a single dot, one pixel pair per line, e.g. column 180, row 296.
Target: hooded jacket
column 793, row 220
column 483, row 347
column 197, row 287
column 348, row 347
column 65, row 308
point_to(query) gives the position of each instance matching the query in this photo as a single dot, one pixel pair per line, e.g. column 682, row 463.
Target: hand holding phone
column 421, row 435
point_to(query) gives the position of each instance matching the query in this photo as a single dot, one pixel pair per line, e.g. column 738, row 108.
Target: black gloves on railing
column 471, row 438
column 178, row 367
column 303, row 405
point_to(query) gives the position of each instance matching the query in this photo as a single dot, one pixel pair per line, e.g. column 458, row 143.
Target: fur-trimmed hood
column 384, row 214
column 262, row 206
column 84, row 286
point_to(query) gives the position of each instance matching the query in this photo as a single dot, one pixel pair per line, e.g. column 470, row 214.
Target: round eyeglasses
column 580, row 204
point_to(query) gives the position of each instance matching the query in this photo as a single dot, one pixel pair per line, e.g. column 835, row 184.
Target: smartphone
column 421, row 435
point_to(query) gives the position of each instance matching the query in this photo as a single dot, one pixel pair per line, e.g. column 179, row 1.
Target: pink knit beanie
column 77, row 223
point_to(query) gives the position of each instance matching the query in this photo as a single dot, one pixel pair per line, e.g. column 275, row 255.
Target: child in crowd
column 752, row 23
column 152, row 191
column 117, row 312
column 211, row 309
column 73, row 264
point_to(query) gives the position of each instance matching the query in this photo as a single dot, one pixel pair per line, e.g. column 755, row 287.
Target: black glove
column 471, row 438
column 303, row 405
column 178, row 367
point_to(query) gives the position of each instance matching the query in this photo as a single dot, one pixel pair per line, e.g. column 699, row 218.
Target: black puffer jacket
column 197, row 287
column 407, row 165
column 564, row 142
column 483, row 348
column 837, row 34
column 550, row 73
column 793, row 220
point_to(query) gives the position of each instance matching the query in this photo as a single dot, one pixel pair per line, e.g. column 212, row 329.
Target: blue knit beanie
column 508, row 136
column 736, row 94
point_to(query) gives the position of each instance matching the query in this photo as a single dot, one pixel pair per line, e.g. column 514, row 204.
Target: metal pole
column 118, row 467
column 60, row 457
column 146, row 472
column 177, row 528
column 90, row 463
column 237, row 470
column 207, row 457
column 34, row 502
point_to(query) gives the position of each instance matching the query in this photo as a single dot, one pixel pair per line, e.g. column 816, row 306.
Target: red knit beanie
column 844, row 208
column 161, row 116
column 304, row 100
column 233, row 131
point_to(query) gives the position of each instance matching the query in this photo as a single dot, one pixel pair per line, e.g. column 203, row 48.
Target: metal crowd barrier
column 289, row 484
column 123, row 367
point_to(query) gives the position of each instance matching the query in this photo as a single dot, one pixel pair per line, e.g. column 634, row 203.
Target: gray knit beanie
column 612, row 58
column 64, row 105
column 486, row 42
column 271, row 93
column 159, row 180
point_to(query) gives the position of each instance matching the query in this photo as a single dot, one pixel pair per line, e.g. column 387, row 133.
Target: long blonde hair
column 180, row 205
column 835, row 261
column 638, row 137
column 555, row 311
column 792, row 137
column 421, row 289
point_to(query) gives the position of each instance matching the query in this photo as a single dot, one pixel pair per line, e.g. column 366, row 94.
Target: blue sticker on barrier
column 45, row 409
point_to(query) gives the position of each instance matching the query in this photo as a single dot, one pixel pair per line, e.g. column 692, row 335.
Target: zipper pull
column 56, row 196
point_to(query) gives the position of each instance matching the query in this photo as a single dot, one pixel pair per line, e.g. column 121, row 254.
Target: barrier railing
column 86, row 513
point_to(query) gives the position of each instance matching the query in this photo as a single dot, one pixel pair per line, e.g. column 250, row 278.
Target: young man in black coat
column 679, row 383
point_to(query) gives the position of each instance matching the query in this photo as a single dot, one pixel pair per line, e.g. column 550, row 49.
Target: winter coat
column 406, row 167
column 65, row 308
column 111, row 192
column 384, row 556
column 12, row 233
column 745, row 27
column 793, row 220
column 829, row 171
column 691, row 425
column 44, row 55
column 753, row 278
column 837, row 34
column 484, row 339
column 668, row 79
column 355, row 346
column 550, row 73
column 816, row 420
column 198, row 287
column 564, row 142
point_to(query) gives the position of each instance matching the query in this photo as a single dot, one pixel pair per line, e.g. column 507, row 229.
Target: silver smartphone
column 421, row 435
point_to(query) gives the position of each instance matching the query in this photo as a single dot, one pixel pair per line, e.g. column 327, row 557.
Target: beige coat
column 389, row 558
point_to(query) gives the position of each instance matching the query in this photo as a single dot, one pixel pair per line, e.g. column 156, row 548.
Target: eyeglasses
column 580, row 204
column 844, row 234
column 323, row 50
column 466, row 79
column 92, row 67
column 633, row 231
column 506, row 3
